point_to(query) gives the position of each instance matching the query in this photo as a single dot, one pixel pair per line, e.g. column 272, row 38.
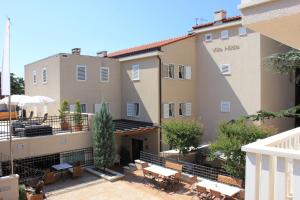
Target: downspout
column 159, row 100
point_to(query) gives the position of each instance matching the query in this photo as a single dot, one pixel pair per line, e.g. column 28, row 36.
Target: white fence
column 273, row 167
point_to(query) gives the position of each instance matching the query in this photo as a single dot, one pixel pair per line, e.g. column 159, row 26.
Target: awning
column 130, row 127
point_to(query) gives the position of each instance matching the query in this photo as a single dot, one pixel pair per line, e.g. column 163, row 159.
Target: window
column 169, row 110
column 224, row 34
column 184, row 72
column 208, row 37
column 81, row 72
column 135, row 72
column 133, row 109
column 225, row 106
column 225, row 69
column 34, row 77
column 168, row 71
column 104, row 74
column 97, row 107
column 185, row 109
column 83, row 108
column 44, row 75
column 242, row 31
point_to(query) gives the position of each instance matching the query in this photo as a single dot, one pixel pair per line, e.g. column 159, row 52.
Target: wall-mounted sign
column 226, row 48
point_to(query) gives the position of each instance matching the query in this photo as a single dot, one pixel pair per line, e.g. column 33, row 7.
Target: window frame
column 225, row 34
column 174, row 112
column 34, row 77
column 138, row 72
column 108, row 75
column 81, row 104
column 183, row 109
column 184, row 72
column 225, row 73
column 243, row 34
column 85, row 72
column 206, row 37
column 222, row 108
column 134, row 111
column 46, row 75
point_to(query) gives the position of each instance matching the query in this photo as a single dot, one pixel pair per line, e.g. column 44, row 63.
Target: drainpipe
column 159, row 101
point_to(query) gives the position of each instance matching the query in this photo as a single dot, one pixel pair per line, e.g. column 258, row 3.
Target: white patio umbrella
column 44, row 99
column 20, row 100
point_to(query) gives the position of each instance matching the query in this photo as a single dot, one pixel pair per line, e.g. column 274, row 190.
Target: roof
column 128, row 127
column 226, row 20
column 146, row 47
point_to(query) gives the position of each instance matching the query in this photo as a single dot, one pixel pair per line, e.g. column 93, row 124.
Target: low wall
column 9, row 187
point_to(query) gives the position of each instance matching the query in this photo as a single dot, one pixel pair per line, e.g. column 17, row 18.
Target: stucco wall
column 50, row 89
column 91, row 91
column 9, row 187
column 145, row 91
column 277, row 91
column 241, row 88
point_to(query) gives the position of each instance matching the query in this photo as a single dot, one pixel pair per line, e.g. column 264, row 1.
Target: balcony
column 277, row 19
column 273, row 167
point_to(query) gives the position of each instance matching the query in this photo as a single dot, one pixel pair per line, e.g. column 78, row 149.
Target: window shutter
column 166, row 110
column 188, row 109
column 165, row 70
column 130, row 109
column 97, row 107
column 135, row 72
column 34, row 77
column 225, row 69
column 188, row 72
column 81, row 72
column 44, row 75
column 104, row 74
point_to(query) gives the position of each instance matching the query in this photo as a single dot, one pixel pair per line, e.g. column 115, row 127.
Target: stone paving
column 132, row 187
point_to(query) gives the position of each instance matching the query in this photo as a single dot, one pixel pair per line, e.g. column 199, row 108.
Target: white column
column 280, row 179
column 264, row 189
column 296, row 179
column 250, row 184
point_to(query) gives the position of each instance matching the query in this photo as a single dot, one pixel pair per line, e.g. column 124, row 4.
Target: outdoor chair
column 30, row 115
column 49, row 177
column 230, row 181
column 77, row 170
column 202, row 193
column 172, row 165
column 215, row 195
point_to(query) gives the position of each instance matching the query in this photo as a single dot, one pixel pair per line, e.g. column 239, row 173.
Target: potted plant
column 38, row 193
column 63, row 112
column 78, row 116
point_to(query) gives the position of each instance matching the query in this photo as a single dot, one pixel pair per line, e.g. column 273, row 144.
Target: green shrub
column 64, row 108
column 78, row 113
column 22, row 192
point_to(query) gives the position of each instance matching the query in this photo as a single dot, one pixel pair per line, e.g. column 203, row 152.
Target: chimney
column 220, row 15
column 76, row 51
column 102, row 54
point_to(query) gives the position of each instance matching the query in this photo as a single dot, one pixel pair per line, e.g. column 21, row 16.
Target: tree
column 104, row 141
column 182, row 134
column 231, row 137
column 78, row 113
column 17, row 84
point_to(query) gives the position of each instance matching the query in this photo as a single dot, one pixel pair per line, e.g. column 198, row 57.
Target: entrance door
column 137, row 147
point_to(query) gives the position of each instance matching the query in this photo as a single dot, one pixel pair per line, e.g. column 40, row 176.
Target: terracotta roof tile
column 150, row 46
column 226, row 20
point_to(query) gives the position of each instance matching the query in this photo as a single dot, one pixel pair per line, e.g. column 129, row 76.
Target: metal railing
column 47, row 125
column 189, row 168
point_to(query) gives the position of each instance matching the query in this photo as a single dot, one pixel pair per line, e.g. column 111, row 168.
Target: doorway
column 137, row 147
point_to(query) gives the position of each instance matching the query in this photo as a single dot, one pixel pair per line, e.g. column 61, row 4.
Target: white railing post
column 265, row 189
column 296, row 179
column 251, row 186
column 280, row 179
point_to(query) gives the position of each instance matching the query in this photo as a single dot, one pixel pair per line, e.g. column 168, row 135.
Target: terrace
column 273, row 167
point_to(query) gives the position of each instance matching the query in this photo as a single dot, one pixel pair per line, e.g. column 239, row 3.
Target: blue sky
column 41, row 28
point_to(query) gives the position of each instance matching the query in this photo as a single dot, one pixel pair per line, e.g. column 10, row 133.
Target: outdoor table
column 62, row 166
column 161, row 170
column 220, row 187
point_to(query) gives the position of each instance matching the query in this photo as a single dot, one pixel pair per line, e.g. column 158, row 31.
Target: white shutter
column 188, row 109
column 130, row 109
column 166, row 110
column 104, row 74
column 81, row 72
column 97, row 107
column 135, row 72
column 165, row 71
column 188, row 72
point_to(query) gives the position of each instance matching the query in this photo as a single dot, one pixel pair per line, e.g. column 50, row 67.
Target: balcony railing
column 273, row 167
column 39, row 126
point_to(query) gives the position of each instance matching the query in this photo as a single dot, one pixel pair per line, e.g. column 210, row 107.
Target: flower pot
column 65, row 126
column 31, row 196
column 78, row 127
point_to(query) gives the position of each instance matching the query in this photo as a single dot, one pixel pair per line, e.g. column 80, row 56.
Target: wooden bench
column 172, row 165
column 5, row 115
column 230, row 181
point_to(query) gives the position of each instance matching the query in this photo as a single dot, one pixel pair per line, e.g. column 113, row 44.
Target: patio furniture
column 37, row 130
column 49, row 177
column 62, row 169
column 30, row 115
column 76, row 171
column 32, row 196
column 224, row 189
column 230, row 180
column 173, row 165
column 164, row 172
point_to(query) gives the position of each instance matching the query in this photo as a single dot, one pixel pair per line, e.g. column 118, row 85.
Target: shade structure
column 21, row 100
column 44, row 99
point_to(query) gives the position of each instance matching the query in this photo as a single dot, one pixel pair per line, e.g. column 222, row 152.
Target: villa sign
column 226, row 48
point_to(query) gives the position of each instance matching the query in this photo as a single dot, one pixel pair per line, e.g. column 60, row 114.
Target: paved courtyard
column 132, row 187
